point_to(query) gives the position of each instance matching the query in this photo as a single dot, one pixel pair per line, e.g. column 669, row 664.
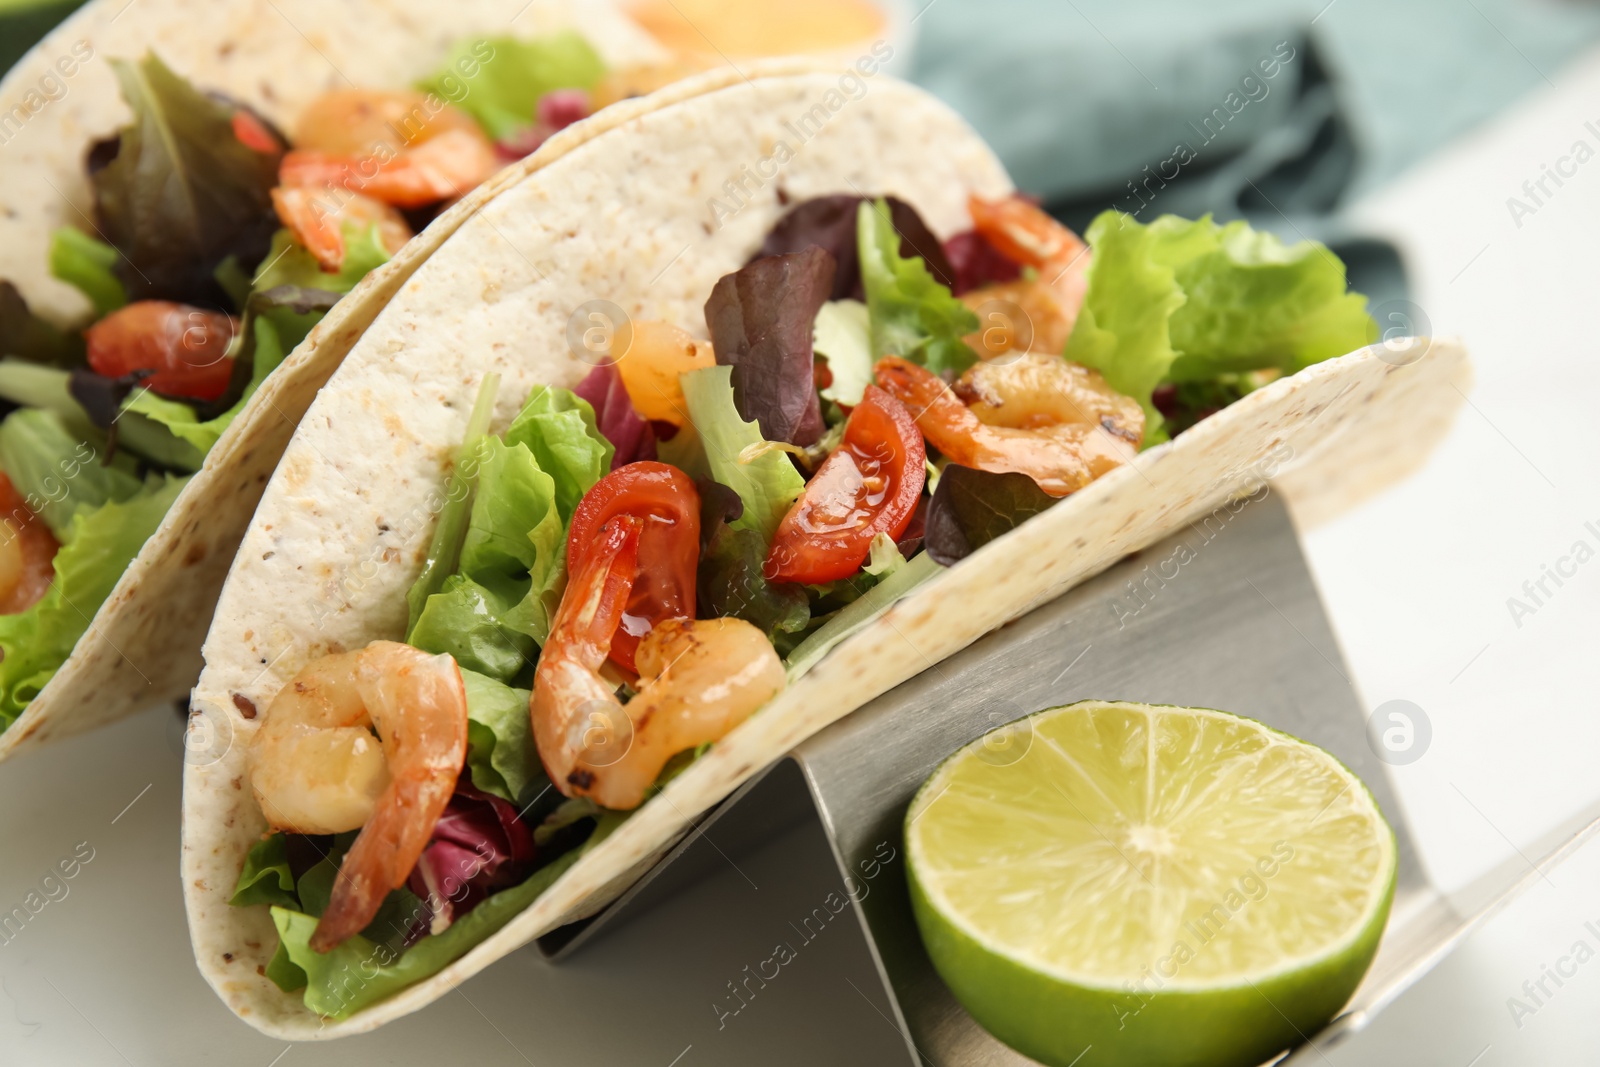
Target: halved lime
column 1117, row 883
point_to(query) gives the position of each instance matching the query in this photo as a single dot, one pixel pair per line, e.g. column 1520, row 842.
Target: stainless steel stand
column 1238, row 625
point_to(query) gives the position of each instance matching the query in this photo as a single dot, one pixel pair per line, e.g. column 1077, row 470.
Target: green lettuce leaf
column 58, row 473
column 500, row 750
column 266, row 878
column 360, row 972
column 509, row 570
column 913, row 316
column 1181, row 301
column 559, row 428
column 685, row 451
column 314, row 889
column 1256, row 303
column 466, row 622
column 288, row 262
column 1122, row 329
column 500, row 80
column 516, row 544
column 731, row 583
column 96, row 548
column 842, row 335
column 444, row 549
column 283, row 972
column 87, row 264
column 32, row 385
column 767, row 483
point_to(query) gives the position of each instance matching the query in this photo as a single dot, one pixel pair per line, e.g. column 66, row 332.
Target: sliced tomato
column 253, row 133
column 669, row 546
column 869, row 485
column 187, row 347
column 27, row 553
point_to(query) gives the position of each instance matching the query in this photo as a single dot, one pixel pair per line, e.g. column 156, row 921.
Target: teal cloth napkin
column 1078, row 96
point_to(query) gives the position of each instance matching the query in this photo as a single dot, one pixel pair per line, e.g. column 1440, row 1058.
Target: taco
column 187, row 251
column 627, row 492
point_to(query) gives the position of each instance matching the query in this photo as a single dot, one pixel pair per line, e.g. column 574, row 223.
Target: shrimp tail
column 418, row 705
column 381, row 858
column 580, row 640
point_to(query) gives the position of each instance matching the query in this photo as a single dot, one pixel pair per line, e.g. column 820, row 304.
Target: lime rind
column 1054, row 1013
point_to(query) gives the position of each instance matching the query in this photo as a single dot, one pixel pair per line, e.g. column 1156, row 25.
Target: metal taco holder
column 1241, row 628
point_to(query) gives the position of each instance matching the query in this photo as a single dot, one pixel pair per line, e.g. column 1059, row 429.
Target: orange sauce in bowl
column 753, row 28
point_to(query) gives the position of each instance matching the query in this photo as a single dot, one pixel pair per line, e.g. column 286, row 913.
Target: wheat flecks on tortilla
column 638, row 217
column 143, row 645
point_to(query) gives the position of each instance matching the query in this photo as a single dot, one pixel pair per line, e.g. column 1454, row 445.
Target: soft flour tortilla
column 144, row 643
column 643, row 218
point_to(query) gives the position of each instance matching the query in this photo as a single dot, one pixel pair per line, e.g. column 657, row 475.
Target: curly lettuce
column 500, row 750
column 1188, row 301
column 500, row 80
column 102, row 517
column 913, row 315
column 488, row 601
column 767, row 483
column 731, row 580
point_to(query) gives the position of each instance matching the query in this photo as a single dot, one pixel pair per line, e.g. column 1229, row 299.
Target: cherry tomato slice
column 187, row 347
column 27, row 553
column 669, row 545
column 253, row 133
column 869, row 485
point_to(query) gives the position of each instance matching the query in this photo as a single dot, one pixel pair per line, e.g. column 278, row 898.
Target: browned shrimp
column 1055, row 421
column 1049, row 303
column 698, row 680
column 317, row 769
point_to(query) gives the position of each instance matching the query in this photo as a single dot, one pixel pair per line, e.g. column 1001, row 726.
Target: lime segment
column 1160, row 885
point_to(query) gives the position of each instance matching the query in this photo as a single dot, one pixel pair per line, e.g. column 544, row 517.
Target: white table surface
column 1417, row 583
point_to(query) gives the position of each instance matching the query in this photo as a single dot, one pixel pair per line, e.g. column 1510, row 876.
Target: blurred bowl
column 708, row 33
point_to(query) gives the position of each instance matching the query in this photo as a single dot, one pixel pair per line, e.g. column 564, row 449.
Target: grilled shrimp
column 698, row 680
column 1026, row 235
column 317, row 218
column 316, row 767
column 1024, row 315
column 449, row 165
column 1055, row 421
column 356, row 122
